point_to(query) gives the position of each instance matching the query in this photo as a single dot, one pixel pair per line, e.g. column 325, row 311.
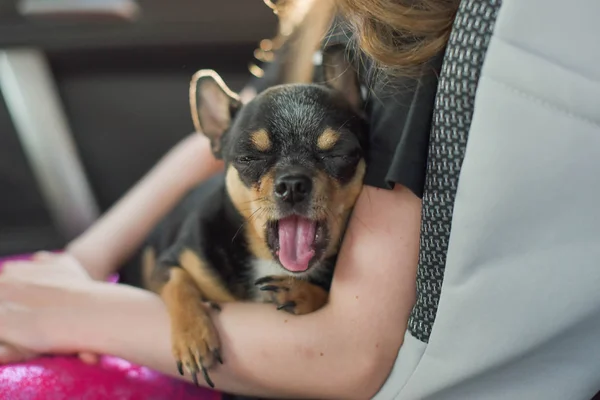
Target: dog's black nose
column 293, row 188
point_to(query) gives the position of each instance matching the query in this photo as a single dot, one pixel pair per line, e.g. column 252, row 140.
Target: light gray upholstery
column 519, row 311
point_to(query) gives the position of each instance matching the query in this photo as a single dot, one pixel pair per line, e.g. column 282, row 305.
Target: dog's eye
column 341, row 157
column 335, row 157
column 246, row 159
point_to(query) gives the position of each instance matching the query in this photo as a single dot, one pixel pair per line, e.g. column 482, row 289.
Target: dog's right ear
column 340, row 74
column 213, row 106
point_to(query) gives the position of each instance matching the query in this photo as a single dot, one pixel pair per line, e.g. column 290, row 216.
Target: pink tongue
column 296, row 238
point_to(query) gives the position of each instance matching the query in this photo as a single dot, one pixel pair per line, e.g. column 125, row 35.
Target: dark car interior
column 106, row 84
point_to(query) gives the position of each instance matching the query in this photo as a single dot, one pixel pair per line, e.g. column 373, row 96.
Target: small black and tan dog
column 270, row 227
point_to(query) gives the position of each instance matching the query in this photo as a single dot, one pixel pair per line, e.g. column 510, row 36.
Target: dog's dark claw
column 214, row 306
column 180, row 368
column 195, row 378
column 217, row 355
column 264, row 279
column 206, row 377
column 287, row 306
column 270, row 288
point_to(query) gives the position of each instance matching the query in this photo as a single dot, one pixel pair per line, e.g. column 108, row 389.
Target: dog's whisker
column 244, row 224
column 257, row 200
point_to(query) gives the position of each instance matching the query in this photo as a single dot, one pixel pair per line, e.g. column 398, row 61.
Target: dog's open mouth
column 297, row 241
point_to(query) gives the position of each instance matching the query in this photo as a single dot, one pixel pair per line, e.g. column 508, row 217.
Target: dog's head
column 294, row 159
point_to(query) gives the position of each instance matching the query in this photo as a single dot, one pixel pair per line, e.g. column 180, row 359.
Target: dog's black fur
column 294, row 151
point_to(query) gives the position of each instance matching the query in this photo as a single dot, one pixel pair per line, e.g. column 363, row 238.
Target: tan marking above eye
column 328, row 139
column 261, row 140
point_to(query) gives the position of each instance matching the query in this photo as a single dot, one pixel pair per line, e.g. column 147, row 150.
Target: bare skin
column 345, row 350
column 115, row 236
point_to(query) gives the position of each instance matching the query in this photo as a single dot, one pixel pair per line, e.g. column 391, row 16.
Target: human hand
column 24, row 287
column 58, row 266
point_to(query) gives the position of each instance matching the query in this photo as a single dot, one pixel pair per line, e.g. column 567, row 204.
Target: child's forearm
column 309, row 341
column 344, row 350
column 117, row 234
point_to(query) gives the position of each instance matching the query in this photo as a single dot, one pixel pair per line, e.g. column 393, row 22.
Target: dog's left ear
column 340, row 74
column 213, row 106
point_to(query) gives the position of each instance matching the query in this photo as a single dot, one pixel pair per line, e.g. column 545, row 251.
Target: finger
column 10, row 354
column 43, row 256
column 89, row 358
column 17, row 268
column 8, row 266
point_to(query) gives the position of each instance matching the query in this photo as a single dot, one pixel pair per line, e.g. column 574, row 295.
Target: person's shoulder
column 400, row 111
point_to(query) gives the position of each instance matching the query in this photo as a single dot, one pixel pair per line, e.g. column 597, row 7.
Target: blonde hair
column 400, row 36
column 302, row 26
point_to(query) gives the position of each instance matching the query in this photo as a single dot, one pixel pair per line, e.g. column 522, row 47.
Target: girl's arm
column 345, row 350
column 112, row 239
column 115, row 236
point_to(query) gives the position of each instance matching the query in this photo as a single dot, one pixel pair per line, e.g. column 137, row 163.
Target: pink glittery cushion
column 67, row 378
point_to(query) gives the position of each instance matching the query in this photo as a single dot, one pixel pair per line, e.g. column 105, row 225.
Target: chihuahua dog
column 270, row 227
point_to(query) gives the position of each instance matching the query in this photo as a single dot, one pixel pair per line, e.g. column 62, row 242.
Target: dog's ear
column 213, row 106
column 340, row 74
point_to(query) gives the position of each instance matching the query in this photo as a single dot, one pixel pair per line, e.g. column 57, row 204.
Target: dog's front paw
column 295, row 296
column 195, row 342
